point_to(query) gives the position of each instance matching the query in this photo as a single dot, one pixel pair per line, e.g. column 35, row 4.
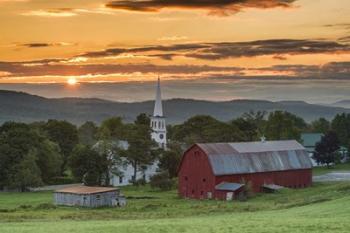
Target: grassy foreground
column 322, row 208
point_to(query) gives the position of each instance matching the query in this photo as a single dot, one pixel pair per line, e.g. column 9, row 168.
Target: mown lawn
column 325, row 207
column 316, row 171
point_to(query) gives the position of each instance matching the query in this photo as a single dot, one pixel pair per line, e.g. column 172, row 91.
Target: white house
column 126, row 171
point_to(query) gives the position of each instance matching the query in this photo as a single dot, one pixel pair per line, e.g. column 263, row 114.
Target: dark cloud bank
column 222, row 50
column 217, row 7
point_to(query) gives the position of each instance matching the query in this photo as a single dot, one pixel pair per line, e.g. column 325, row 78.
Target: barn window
column 120, row 179
column 196, row 153
column 98, row 197
column 204, row 180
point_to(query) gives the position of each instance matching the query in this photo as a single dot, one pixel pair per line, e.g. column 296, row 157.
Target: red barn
column 220, row 170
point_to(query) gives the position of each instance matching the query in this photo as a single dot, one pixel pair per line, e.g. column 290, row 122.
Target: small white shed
column 86, row 196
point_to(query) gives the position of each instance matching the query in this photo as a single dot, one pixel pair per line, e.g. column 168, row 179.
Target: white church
column 158, row 134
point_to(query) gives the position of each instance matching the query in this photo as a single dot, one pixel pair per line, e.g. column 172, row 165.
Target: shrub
column 139, row 182
column 25, row 206
column 45, row 206
column 162, row 181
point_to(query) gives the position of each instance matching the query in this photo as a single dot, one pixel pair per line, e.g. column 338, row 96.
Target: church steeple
column 158, row 120
column 158, row 108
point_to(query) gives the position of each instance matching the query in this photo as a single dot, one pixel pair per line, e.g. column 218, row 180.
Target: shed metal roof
column 86, row 190
column 226, row 186
column 252, row 157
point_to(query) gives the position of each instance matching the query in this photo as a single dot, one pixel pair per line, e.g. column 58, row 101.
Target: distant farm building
column 89, row 196
column 309, row 141
column 221, row 170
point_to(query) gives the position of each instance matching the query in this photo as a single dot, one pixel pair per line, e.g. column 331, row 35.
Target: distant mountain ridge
column 20, row 106
column 342, row 103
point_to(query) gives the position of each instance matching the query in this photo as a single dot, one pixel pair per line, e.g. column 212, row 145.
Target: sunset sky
column 204, row 49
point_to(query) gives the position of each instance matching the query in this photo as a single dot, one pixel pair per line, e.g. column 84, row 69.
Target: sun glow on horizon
column 72, row 81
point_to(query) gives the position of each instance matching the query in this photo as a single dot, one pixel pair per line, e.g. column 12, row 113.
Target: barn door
column 229, row 196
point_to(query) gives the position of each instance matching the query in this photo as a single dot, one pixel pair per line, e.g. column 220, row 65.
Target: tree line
column 57, row 151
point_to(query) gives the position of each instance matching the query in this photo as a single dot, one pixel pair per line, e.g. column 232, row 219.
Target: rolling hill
column 19, row 106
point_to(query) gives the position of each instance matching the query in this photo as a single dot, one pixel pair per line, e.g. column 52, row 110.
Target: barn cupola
column 158, row 120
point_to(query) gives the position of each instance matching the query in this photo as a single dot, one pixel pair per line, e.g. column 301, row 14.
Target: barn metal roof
column 85, row 190
column 226, row 186
column 252, row 157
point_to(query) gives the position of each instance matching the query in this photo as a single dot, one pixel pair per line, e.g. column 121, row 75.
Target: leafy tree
column 49, row 160
column 87, row 133
column 258, row 118
column 170, row 159
column 251, row 124
column 26, row 173
column 341, row 125
column 65, row 135
column 284, row 125
column 204, row 128
column 142, row 150
column 142, row 119
column 249, row 129
column 110, row 153
column 112, row 128
column 87, row 165
column 320, row 125
column 326, row 149
column 24, row 150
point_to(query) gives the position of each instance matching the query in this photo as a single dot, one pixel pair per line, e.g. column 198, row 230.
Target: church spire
column 158, row 108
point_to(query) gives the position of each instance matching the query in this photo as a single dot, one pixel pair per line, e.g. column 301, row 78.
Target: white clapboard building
column 126, row 171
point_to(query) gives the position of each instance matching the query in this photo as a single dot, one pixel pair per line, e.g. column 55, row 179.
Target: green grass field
column 338, row 167
column 325, row 207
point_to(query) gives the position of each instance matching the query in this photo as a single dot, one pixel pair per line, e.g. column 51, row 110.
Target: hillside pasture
column 325, row 207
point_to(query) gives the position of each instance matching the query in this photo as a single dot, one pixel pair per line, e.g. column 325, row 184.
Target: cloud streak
column 44, row 45
column 214, row 7
column 224, row 50
column 54, row 67
column 55, row 13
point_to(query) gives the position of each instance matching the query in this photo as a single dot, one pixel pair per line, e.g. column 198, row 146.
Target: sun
column 72, row 81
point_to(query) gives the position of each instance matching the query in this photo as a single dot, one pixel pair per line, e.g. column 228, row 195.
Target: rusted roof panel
column 251, row 157
column 86, row 190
